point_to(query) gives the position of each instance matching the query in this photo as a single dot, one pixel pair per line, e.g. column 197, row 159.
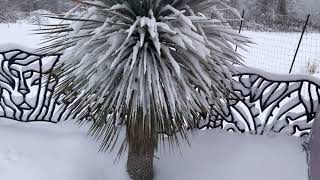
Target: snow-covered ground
column 40, row 151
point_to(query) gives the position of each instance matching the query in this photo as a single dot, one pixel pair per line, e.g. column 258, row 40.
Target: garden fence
column 276, row 43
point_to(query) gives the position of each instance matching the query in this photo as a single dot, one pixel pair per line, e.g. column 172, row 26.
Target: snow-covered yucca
column 152, row 66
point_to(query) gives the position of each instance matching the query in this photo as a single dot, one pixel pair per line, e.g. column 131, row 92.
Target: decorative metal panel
column 267, row 103
column 25, row 94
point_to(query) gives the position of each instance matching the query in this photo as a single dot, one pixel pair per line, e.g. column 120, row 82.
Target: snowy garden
column 262, row 130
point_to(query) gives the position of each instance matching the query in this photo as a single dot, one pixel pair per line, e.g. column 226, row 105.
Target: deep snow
column 42, row 151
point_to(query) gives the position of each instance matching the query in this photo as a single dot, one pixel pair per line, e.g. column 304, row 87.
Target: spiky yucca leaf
column 152, row 64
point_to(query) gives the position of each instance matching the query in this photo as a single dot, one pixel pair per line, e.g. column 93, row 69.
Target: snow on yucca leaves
column 153, row 64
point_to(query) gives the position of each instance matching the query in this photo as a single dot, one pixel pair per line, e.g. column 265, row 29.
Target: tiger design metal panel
column 25, row 92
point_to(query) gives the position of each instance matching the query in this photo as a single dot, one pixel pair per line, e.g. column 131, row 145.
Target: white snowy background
column 272, row 51
column 42, row 151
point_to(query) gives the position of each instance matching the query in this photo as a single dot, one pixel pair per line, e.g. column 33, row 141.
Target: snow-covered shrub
column 38, row 17
column 153, row 66
column 311, row 67
column 8, row 17
column 13, row 10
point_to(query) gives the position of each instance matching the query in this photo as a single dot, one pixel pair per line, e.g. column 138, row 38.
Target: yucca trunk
column 140, row 155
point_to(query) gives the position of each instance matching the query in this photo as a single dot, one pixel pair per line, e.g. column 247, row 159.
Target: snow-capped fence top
column 265, row 102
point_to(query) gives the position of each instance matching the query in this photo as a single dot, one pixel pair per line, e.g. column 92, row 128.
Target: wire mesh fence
column 276, row 43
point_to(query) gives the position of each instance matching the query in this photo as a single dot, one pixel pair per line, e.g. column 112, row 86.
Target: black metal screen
column 268, row 103
column 25, row 94
column 265, row 102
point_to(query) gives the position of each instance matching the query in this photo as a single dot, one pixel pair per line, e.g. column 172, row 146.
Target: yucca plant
column 154, row 67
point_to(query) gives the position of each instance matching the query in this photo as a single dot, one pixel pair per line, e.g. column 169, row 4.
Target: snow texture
column 43, row 151
column 19, row 34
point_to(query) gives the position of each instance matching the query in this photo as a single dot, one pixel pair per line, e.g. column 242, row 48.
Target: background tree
column 282, row 7
column 235, row 4
column 263, row 6
column 154, row 67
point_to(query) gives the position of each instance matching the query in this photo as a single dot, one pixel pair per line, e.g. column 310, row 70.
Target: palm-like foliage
column 152, row 65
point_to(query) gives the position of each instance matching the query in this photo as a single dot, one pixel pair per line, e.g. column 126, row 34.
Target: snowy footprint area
column 41, row 151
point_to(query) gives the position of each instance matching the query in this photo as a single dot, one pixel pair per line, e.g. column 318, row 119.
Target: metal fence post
column 314, row 148
column 297, row 50
column 241, row 24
